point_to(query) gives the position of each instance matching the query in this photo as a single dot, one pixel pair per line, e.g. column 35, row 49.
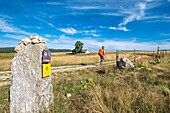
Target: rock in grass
column 128, row 63
column 124, row 63
column 68, row 95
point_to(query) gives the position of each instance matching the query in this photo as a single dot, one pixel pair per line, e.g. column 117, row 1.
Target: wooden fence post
column 134, row 55
column 117, row 56
column 163, row 54
column 158, row 52
column 153, row 55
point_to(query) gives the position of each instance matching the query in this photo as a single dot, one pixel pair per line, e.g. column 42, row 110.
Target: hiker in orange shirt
column 101, row 54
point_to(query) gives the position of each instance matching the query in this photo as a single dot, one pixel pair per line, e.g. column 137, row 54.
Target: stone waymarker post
column 29, row 91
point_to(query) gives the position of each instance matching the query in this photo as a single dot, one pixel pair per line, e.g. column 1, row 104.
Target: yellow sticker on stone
column 46, row 70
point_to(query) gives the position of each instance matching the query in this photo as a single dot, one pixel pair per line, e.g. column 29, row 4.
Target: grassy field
column 5, row 61
column 106, row 89
column 62, row 58
column 145, row 89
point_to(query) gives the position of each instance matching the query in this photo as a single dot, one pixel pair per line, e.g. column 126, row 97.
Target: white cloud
column 70, row 30
column 148, row 0
column 84, row 7
column 48, row 35
column 132, row 7
column 112, row 14
column 24, row 26
column 52, row 3
column 65, row 42
column 122, row 28
column 119, row 28
column 5, row 27
column 102, row 27
column 48, row 23
column 134, row 40
column 153, row 4
column 90, row 33
column 114, row 28
column 88, row 7
column 130, row 45
column 9, row 43
column 95, row 35
column 5, row 16
column 142, row 6
column 38, row 27
column 92, row 44
column 154, row 21
column 123, row 45
column 73, row 31
column 137, row 14
column 151, row 19
column 62, row 42
column 18, row 37
column 76, row 13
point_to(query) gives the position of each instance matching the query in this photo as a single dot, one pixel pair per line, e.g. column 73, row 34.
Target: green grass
column 6, row 55
column 138, row 90
column 4, row 99
column 106, row 89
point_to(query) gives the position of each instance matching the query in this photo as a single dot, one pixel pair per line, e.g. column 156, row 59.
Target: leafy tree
column 78, row 47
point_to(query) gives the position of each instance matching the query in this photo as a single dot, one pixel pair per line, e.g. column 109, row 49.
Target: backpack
column 99, row 53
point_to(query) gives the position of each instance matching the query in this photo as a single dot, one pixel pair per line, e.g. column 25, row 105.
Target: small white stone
column 36, row 36
column 35, row 41
column 40, row 39
column 32, row 37
column 43, row 42
column 68, row 95
column 26, row 41
column 19, row 47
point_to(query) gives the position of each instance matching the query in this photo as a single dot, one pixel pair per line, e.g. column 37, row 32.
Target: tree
column 78, row 47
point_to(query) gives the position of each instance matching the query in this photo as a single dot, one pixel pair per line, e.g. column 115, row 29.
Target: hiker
column 101, row 54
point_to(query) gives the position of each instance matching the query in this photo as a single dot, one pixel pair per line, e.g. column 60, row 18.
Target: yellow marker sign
column 46, row 70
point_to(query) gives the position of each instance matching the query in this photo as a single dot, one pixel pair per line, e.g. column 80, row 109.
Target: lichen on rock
column 29, row 92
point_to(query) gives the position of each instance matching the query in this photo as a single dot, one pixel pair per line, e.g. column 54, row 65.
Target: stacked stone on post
column 29, row 92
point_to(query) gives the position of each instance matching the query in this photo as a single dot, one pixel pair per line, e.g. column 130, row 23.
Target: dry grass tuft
column 5, row 64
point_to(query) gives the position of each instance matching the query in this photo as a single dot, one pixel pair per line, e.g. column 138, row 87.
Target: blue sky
column 116, row 24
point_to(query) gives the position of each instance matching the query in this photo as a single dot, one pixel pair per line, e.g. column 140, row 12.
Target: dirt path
column 82, row 67
column 5, row 76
